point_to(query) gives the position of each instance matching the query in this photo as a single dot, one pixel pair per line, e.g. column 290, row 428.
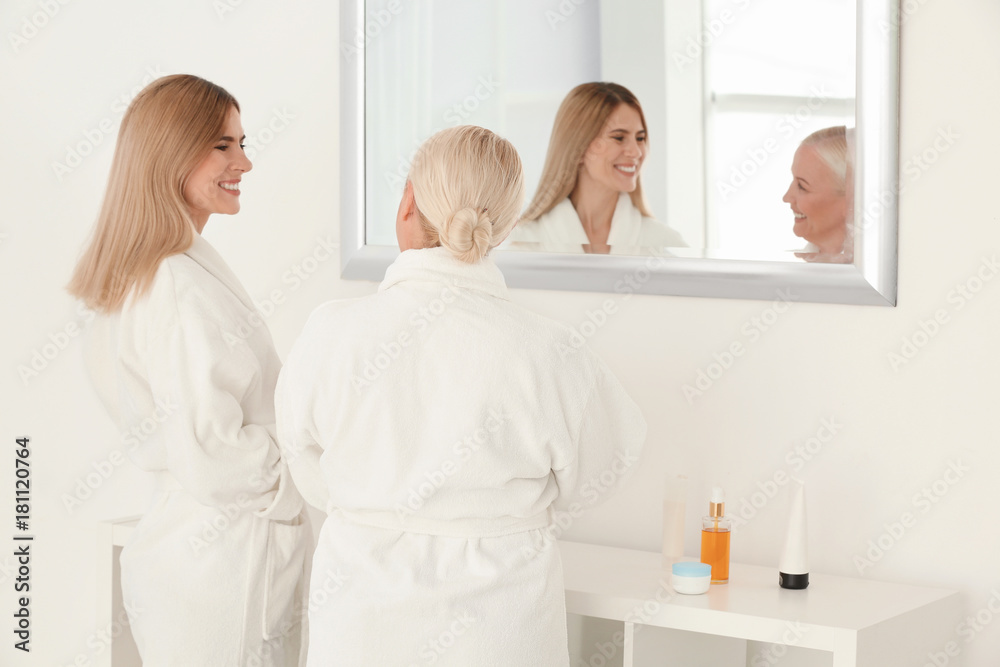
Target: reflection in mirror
column 821, row 196
column 777, row 72
column 502, row 64
column 590, row 193
column 753, row 79
column 729, row 90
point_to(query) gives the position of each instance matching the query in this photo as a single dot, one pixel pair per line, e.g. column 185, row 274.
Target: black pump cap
column 793, row 581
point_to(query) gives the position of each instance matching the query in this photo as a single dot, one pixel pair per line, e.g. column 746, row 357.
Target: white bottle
column 793, row 566
column 674, row 510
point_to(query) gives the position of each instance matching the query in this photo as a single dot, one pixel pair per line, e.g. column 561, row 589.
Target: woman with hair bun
column 441, row 426
column 590, row 196
column 212, row 573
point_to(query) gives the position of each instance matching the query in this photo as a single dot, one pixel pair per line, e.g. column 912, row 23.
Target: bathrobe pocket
column 284, row 575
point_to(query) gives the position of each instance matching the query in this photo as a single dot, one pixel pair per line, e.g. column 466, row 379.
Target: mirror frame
column 871, row 280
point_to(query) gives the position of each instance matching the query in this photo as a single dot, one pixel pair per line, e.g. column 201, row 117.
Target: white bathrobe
column 631, row 232
column 188, row 371
column 451, row 436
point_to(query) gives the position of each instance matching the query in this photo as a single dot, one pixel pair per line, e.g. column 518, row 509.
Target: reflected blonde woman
column 440, row 426
column 211, row 572
column 590, row 194
column 820, row 195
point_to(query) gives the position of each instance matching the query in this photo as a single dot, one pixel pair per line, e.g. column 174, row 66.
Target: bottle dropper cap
column 717, row 508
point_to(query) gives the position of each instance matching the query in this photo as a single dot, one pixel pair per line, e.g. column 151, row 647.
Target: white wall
column 899, row 430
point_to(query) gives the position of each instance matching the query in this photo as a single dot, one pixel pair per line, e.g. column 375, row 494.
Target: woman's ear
column 409, row 232
column 408, row 205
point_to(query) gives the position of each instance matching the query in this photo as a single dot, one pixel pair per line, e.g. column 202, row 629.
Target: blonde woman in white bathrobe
column 442, row 428
column 186, row 367
column 589, row 198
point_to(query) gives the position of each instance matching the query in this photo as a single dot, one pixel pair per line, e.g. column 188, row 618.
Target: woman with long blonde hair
column 590, row 196
column 187, row 369
column 442, row 427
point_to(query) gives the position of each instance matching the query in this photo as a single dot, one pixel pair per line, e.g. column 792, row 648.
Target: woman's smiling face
column 214, row 185
column 816, row 197
column 615, row 156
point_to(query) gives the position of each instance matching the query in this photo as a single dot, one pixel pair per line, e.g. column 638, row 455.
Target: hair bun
column 468, row 233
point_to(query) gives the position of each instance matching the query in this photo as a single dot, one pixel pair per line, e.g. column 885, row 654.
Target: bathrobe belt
column 462, row 527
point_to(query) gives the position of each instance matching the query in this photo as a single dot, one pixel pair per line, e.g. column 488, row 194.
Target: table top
column 632, row 585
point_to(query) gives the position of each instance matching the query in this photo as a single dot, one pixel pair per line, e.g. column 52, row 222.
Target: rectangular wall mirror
column 728, row 89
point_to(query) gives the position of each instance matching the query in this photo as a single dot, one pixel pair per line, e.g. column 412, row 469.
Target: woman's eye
column 223, row 147
column 640, row 139
column 243, row 147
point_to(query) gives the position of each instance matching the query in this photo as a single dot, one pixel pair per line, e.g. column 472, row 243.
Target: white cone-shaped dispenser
column 793, row 566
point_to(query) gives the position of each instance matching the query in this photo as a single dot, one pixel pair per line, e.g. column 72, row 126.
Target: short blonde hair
column 830, row 144
column 580, row 119
column 167, row 130
column 469, row 188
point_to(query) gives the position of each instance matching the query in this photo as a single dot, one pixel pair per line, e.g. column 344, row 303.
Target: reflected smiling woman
column 820, row 197
column 590, row 195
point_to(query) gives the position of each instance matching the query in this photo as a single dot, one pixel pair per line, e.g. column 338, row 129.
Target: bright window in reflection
column 775, row 71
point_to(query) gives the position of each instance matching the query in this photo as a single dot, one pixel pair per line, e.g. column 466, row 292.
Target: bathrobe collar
column 626, row 223
column 202, row 252
column 440, row 266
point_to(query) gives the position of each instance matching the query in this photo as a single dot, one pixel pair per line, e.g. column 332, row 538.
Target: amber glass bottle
column 715, row 531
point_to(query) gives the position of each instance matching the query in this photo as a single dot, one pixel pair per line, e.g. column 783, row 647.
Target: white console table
column 849, row 622
column 113, row 535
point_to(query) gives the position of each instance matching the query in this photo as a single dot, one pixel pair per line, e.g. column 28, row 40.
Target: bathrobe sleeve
column 207, row 376
column 297, row 432
column 606, row 449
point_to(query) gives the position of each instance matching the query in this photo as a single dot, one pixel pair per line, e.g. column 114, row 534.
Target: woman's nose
column 243, row 163
column 788, row 195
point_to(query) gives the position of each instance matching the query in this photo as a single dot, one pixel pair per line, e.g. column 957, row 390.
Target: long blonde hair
column 468, row 185
column 166, row 132
column 580, row 118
